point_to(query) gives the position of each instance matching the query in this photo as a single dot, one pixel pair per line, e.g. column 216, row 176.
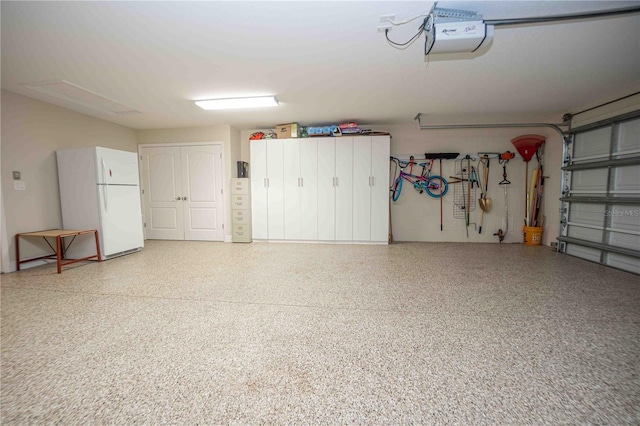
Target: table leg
column 59, row 253
column 98, row 246
column 17, row 252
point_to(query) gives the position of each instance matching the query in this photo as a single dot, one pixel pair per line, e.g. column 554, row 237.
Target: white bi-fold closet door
column 182, row 192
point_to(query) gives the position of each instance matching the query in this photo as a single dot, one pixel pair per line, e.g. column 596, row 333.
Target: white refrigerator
column 100, row 189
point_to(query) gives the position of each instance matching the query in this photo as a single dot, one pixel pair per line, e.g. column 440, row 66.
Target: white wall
column 31, row 133
column 224, row 134
column 416, row 217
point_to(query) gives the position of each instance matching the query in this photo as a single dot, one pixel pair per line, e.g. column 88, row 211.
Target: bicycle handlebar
column 404, row 164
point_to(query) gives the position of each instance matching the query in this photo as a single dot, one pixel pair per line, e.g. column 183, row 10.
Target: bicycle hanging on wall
column 433, row 185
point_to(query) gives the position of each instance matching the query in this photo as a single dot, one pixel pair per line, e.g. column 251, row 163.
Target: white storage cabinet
column 300, row 189
column 267, row 189
column 321, row 189
column 370, row 191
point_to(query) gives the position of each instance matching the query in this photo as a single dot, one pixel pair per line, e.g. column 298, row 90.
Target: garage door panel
column 629, row 136
column 588, row 214
column 625, row 217
column 587, row 234
column 592, row 143
column 627, row 180
column 626, row 263
column 582, row 252
column 592, row 181
column 618, row 239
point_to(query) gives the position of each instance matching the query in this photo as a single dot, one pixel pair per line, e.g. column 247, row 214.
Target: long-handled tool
column 527, row 146
column 530, row 197
column 463, row 204
column 536, row 220
column 504, row 159
column 441, row 156
column 468, row 203
column 484, row 202
column 441, row 189
column 390, row 196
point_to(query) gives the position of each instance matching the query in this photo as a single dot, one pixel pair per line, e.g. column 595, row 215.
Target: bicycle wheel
column 437, row 186
column 397, row 188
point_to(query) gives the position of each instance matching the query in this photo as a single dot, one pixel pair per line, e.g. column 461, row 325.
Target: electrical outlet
column 384, row 23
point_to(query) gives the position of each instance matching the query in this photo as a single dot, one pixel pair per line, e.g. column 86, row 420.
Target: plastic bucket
column 532, row 235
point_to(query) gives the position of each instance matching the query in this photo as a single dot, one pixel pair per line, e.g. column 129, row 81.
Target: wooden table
column 59, row 251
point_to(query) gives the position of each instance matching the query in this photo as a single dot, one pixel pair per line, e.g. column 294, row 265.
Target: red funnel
column 527, row 145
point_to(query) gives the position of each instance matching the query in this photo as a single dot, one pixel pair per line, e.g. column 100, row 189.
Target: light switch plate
column 16, row 175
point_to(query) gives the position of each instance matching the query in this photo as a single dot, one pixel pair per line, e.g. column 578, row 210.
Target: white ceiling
column 324, row 61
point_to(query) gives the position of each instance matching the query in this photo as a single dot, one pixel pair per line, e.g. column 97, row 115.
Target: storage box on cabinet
column 321, row 189
column 240, row 210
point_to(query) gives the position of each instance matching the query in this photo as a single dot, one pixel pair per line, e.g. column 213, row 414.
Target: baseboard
column 26, row 264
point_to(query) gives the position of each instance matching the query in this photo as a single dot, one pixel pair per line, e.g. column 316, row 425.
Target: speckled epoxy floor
column 214, row 333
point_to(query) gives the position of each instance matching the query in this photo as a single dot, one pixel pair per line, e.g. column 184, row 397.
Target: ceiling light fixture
column 236, row 103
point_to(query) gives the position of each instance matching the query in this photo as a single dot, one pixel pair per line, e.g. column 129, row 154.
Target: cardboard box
column 285, row 131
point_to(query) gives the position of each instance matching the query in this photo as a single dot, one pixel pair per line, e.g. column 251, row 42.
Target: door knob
column 184, row 198
column 178, row 199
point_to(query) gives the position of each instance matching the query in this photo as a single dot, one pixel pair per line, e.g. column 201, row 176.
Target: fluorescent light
column 235, row 103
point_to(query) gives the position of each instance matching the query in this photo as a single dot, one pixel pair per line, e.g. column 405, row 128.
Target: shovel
column 485, row 203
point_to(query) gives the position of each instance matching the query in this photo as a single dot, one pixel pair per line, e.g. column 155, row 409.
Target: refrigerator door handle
column 104, row 172
column 105, row 190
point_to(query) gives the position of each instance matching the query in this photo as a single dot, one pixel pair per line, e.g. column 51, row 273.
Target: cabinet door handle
column 337, row 181
column 301, row 182
column 372, row 181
